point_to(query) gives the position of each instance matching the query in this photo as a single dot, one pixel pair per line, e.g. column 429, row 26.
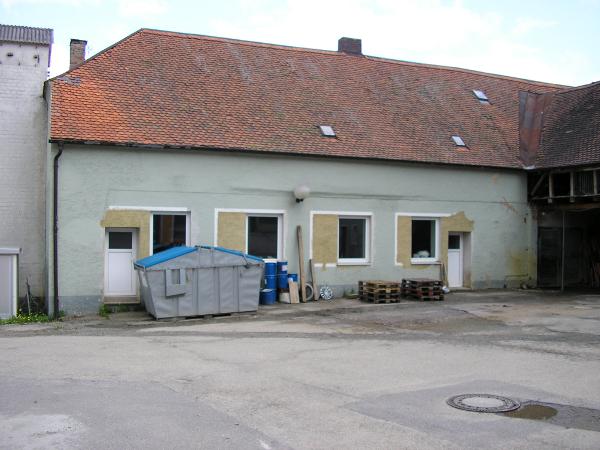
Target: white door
column 120, row 255
column 455, row 260
column 8, row 283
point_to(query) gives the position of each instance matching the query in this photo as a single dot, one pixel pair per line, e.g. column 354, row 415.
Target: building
column 560, row 144
column 24, row 62
column 408, row 169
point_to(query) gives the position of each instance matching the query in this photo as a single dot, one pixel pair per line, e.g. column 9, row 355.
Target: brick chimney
column 349, row 45
column 77, row 52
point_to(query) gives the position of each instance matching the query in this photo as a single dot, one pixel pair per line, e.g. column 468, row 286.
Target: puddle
column 533, row 412
column 556, row 414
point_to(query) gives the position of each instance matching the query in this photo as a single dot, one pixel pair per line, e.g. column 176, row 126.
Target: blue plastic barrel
column 282, row 267
column 268, row 296
column 271, row 282
column 270, row 267
column 282, row 280
column 293, row 276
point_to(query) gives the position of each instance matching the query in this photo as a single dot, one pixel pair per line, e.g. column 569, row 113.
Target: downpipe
column 55, row 229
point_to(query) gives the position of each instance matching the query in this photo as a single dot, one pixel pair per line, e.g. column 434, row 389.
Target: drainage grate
column 486, row 403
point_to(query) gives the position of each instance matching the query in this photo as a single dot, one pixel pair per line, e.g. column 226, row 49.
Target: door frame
column 461, row 257
column 134, row 249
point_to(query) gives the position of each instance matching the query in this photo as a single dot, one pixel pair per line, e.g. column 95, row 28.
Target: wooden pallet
column 378, row 291
column 421, row 282
column 374, row 298
column 422, row 289
column 425, row 297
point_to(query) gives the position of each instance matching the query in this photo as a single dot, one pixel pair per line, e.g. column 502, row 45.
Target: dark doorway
column 581, row 252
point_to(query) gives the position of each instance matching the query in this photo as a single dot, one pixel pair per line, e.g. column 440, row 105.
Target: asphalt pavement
column 338, row 374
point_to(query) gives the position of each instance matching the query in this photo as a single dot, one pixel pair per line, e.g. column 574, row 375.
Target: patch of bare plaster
column 130, row 219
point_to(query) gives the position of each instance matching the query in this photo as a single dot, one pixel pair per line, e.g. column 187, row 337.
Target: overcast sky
column 552, row 40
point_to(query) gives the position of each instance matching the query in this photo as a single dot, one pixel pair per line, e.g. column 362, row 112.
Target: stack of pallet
column 422, row 289
column 377, row 291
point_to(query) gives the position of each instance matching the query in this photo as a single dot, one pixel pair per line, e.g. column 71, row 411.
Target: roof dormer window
column 480, row 95
column 327, row 130
column 458, row 141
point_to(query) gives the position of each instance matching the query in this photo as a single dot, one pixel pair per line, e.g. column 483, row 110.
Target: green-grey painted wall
column 92, row 178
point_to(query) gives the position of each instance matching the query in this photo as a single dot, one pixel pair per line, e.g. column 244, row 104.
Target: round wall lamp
column 301, row 192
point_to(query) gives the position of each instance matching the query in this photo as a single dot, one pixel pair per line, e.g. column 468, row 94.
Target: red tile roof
column 180, row 90
column 571, row 128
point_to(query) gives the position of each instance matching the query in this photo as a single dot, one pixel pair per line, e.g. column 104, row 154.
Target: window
column 263, row 236
column 454, row 242
column 168, row 230
column 120, row 240
column 480, row 95
column 353, row 236
column 458, row 141
column 424, row 240
column 327, row 130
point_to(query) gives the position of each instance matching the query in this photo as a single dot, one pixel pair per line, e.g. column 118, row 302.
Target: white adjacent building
column 24, row 62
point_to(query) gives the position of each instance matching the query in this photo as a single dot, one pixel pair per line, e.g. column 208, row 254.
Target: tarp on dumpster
column 167, row 255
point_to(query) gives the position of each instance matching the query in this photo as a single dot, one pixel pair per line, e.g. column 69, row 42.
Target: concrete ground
column 339, row 374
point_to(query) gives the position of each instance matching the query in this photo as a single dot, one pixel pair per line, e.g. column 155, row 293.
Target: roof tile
column 169, row 89
column 571, row 128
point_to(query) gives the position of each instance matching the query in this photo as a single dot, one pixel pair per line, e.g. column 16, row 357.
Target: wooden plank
column 313, row 277
column 301, row 274
column 293, row 287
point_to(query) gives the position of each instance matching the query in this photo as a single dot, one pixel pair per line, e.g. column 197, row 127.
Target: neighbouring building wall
column 216, row 189
column 23, row 137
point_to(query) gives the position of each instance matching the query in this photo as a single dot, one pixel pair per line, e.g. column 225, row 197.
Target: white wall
column 23, row 136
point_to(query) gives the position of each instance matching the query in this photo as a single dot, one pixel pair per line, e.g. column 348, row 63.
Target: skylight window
column 458, row 141
column 327, row 130
column 480, row 96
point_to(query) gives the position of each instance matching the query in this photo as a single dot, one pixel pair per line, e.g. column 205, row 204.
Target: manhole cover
column 487, row 403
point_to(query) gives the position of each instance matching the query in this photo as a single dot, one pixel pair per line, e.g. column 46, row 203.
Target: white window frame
column 368, row 240
column 170, row 212
column 356, row 261
column 280, row 214
column 436, row 259
column 279, row 218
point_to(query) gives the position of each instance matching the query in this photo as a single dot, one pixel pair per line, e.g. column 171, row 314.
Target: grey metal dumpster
column 193, row 281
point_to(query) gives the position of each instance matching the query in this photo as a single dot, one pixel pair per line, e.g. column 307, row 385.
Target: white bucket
column 284, row 297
